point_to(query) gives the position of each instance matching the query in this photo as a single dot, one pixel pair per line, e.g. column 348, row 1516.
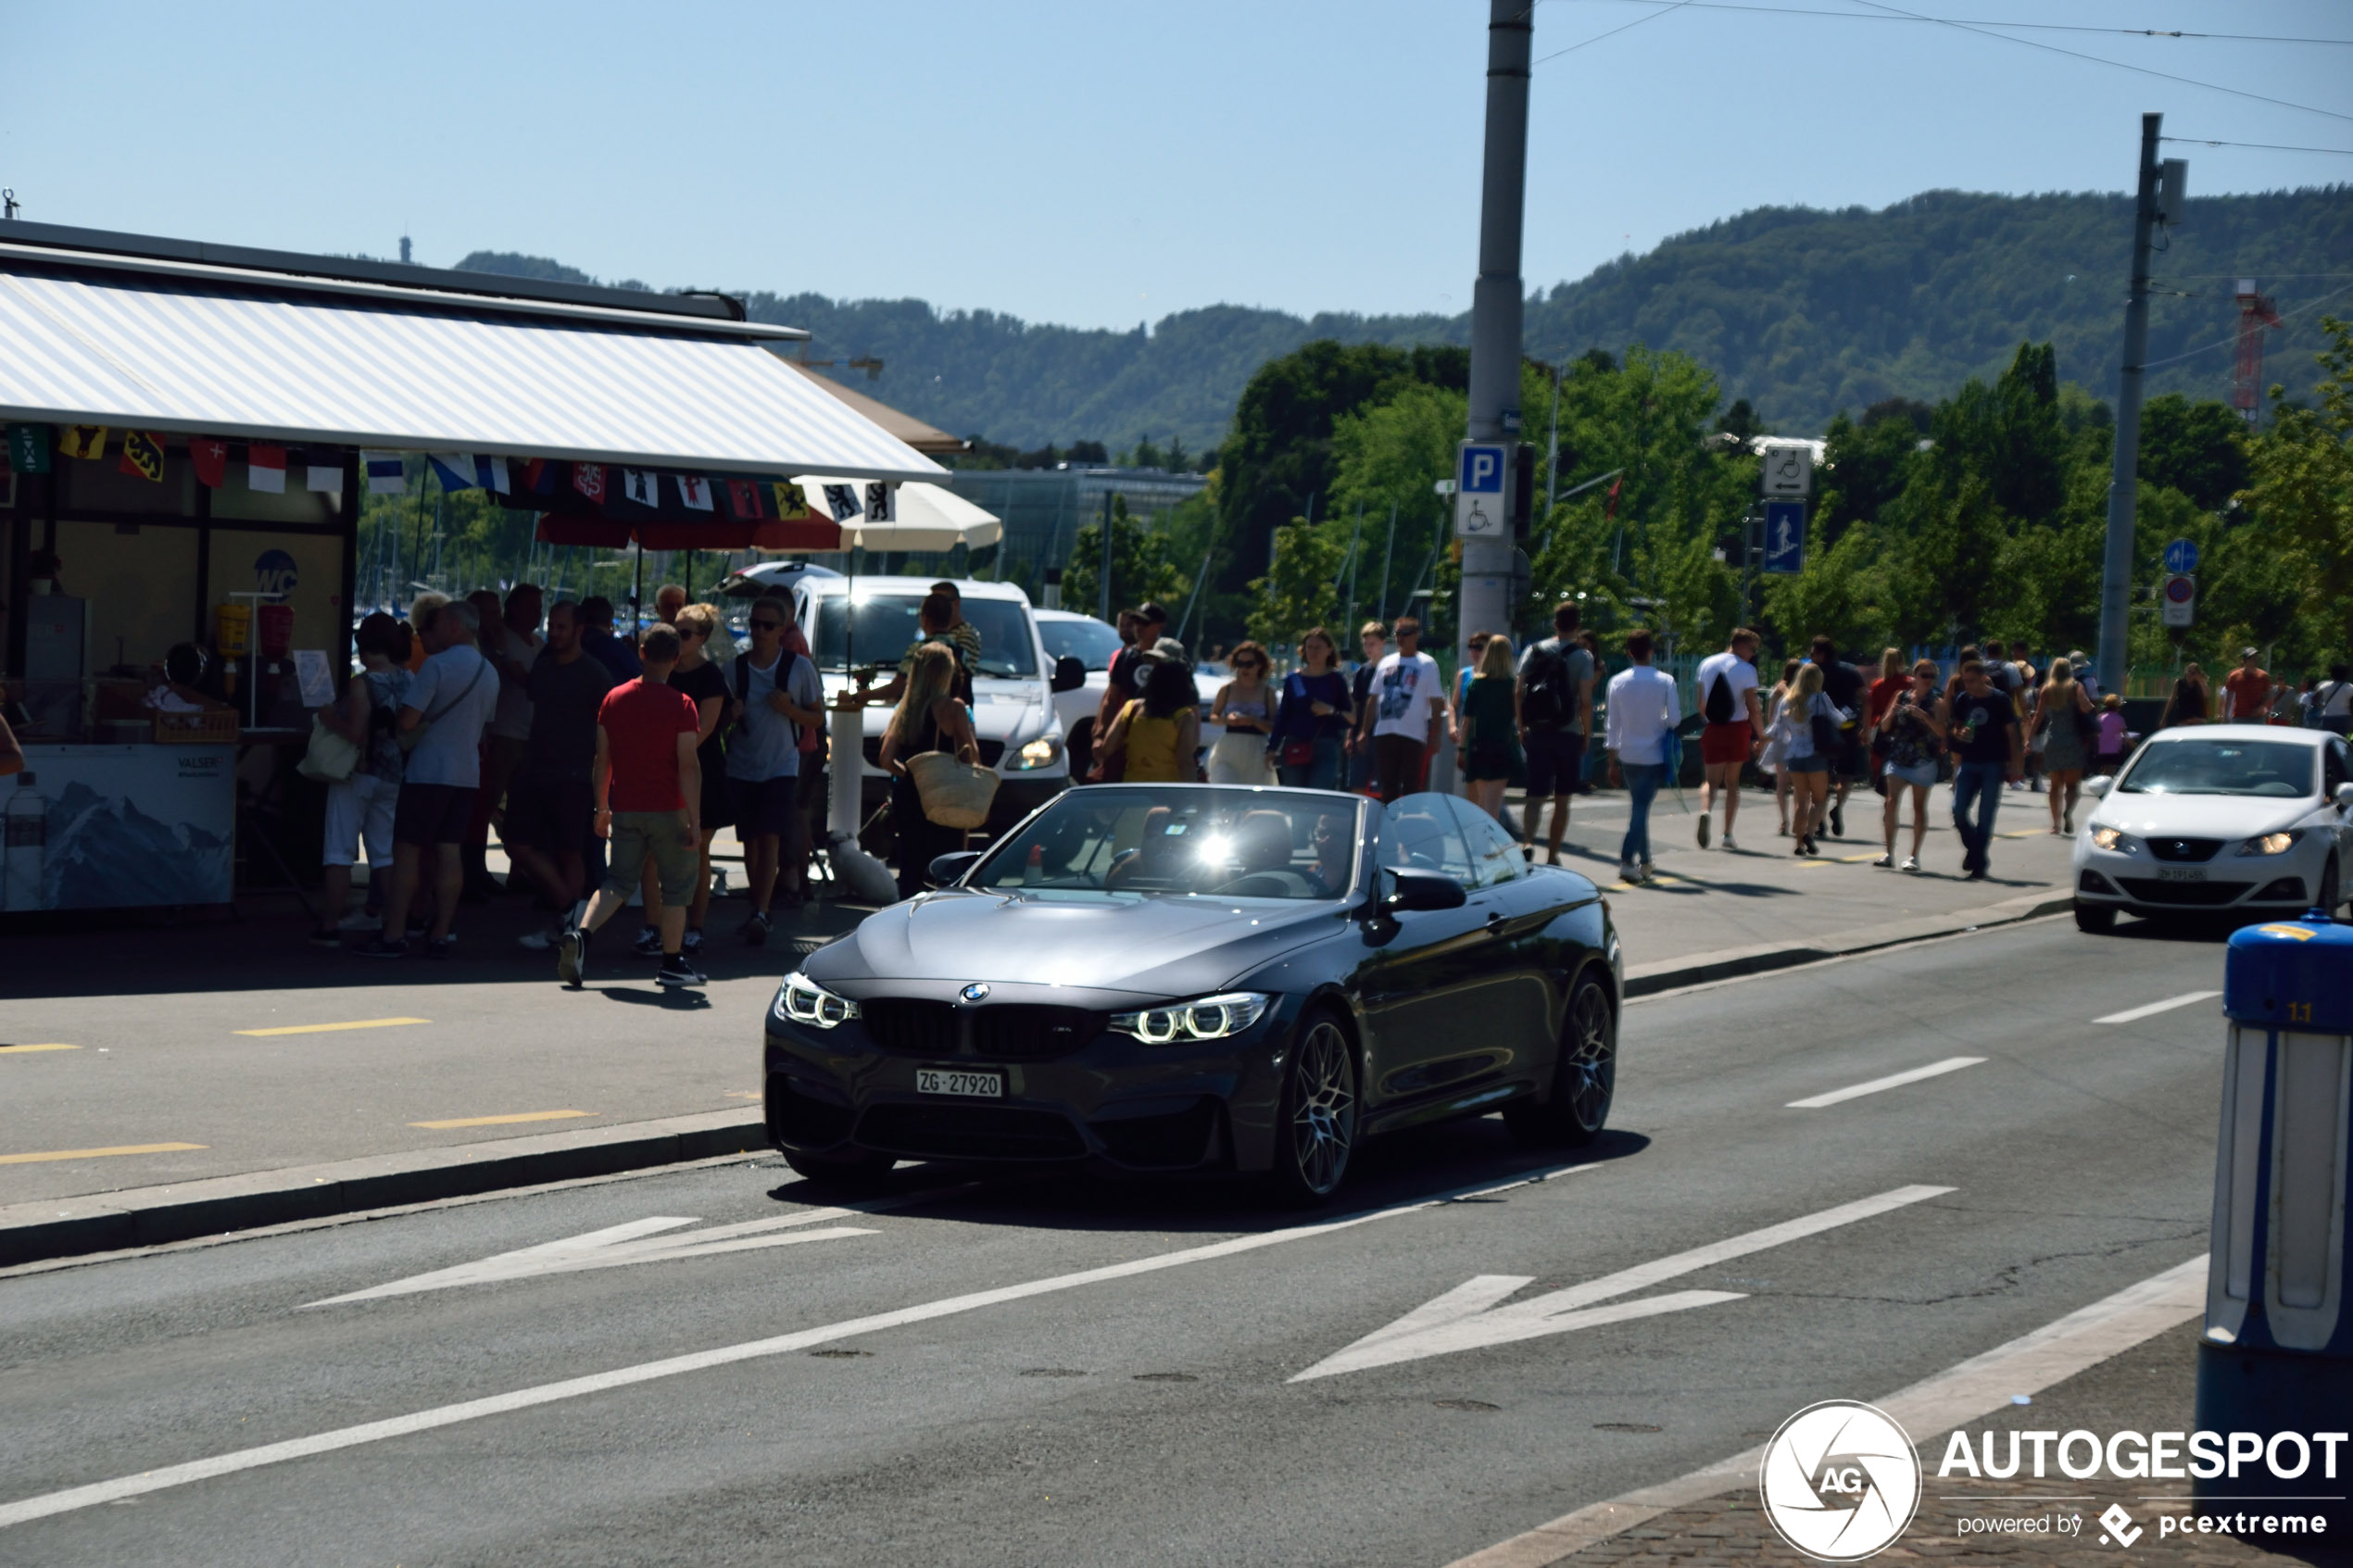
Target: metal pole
column 1102, row 589
column 1495, row 300
column 1385, row 557
column 2123, row 489
column 1552, row 445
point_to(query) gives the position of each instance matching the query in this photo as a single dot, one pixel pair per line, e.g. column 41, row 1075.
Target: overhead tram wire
column 2309, row 304
column 2102, row 60
column 2040, row 27
column 1677, row 5
column 2260, row 146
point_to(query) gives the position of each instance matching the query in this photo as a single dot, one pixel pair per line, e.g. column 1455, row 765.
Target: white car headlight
column 803, row 1000
column 1043, row 752
column 2270, row 844
column 1211, row 1018
column 2112, row 838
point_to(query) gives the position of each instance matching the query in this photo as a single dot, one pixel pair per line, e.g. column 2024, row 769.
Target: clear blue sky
column 1097, row 164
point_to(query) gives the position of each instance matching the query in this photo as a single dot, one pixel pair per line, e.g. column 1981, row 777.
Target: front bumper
column 1109, row 1098
column 2139, row 883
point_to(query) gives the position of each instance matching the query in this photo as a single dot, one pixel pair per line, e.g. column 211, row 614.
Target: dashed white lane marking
column 2133, row 1015
column 1892, row 1081
column 65, row 1501
column 1470, row 1315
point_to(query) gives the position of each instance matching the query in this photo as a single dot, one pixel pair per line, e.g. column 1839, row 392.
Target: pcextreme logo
column 1839, row 1481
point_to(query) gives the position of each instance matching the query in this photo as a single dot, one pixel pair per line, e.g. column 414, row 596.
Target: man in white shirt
column 1642, row 709
column 452, row 699
column 1408, row 704
column 1726, row 688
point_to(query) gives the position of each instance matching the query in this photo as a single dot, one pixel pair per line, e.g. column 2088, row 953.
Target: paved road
column 225, row 1050
column 1041, row 1371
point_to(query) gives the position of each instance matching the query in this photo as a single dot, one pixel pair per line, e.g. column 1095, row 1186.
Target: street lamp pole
column 1496, row 301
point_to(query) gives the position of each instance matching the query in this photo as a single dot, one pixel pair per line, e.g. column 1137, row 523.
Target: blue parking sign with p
column 1784, row 537
column 1482, row 470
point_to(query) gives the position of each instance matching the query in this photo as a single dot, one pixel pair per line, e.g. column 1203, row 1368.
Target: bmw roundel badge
column 976, row 991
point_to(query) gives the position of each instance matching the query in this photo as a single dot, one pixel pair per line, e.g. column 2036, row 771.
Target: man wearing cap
column 2247, row 692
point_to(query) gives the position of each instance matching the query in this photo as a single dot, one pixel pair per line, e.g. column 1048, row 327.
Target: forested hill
column 1800, row 311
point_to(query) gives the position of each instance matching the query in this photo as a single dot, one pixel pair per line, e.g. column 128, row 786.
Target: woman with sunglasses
column 1306, row 742
column 1245, row 706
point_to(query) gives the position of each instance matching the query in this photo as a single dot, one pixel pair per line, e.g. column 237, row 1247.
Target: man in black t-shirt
column 1987, row 750
column 550, row 812
column 1846, row 687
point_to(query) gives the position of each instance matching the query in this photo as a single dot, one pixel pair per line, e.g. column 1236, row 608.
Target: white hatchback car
column 2236, row 818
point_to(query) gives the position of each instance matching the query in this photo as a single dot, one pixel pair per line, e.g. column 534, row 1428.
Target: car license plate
column 2180, row 873
column 956, row 1081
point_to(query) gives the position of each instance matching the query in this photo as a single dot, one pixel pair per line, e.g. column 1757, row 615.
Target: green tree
column 1141, row 567
column 2302, row 494
column 2198, row 448
column 1303, row 584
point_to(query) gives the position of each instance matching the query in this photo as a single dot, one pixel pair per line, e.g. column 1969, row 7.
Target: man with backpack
column 2329, row 705
column 1554, row 699
column 1728, row 700
column 777, row 695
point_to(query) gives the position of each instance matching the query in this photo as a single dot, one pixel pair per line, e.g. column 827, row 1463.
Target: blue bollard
column 2277, row 1355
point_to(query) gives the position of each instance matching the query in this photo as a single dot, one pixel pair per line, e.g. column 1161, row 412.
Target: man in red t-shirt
column 647, row 785
column 2247, row 690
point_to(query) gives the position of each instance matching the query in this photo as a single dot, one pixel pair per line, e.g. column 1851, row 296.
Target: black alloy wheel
column 2095, row 918
column 849, row 1172
column 1316, row 1132
column 1585, row 1080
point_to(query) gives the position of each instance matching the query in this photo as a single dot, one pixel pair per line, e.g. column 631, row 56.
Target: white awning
column 931, row 517
column 254, row 363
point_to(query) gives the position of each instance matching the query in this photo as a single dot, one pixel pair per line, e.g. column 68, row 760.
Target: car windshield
column 884, row 626
column 2282, row 770
column 1090, row 642
column 1134, row 839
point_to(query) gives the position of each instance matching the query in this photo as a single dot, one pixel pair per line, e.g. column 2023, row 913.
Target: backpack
column 742, row 671
column 1721, row 708
column 1825, row 730
column 1544, row 697
column 2316, row 709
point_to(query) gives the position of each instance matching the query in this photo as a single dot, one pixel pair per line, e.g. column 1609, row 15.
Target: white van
column 866, row 625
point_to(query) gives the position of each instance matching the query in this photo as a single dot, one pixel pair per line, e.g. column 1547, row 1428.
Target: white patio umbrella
column 931, row 517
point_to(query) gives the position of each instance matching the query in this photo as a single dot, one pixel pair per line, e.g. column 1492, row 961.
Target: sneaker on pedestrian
column 648, row 943
column 326, row 936
column 755, row 930
column 1628, row 872
column 1884, row 861
column 540, row 941
column 1976, row 875
column 1729, row 848
column 445, row 948
column 692, row 945
column 1838, row 822
column 1912, row 863
column 359, row 919
column 2067, row 821
column 377, row 948
column 1703, row 830
column 678, row 970
column 572, row 957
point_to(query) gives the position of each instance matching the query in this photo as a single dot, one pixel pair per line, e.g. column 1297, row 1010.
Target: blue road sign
column 1482, row 471
column 2181, row 556
column 1785, row 537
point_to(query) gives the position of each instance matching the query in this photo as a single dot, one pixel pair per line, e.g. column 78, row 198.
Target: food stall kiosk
column 187, row 430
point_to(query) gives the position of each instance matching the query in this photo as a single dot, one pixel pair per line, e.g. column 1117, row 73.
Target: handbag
column 329, row 758
column 407, row 739
column 1298, row 753
column 955, row 794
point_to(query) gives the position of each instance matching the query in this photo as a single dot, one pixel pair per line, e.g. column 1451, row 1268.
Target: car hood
column 2201, row 816
column 1150, row 947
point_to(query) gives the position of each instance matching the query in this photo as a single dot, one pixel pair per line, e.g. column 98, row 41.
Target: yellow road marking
column 330, row 1028
column 17, row 1050
column 96, row 1153
column 754, row 1093
column 500, row 1121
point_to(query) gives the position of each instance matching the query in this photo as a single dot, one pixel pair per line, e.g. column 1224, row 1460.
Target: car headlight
column 2111, row 838
column 1211, row 1018
column 803, row 1000
column 2270, row 844
column 1043, row 752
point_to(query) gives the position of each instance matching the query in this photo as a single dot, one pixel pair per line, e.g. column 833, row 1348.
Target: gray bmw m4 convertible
column 1176, row 978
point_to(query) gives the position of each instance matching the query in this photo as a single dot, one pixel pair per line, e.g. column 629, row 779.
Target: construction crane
column 2257, row 311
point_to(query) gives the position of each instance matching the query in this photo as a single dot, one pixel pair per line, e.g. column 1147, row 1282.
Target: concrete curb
column 147, row 1216
column 1669, row 975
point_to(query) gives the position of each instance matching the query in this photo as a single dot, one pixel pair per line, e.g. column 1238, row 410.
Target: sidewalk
column 2149, row 1388
column 185, row 1081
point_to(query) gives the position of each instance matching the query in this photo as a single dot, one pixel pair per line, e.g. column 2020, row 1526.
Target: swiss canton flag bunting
column 589, row 480
column 695, row 489
column 743, row 500
column 641, row 487
column 265, row 470
column 142, row 455
column 842, row 501
column 882, row 502
column 387, row 474
column 208, row 454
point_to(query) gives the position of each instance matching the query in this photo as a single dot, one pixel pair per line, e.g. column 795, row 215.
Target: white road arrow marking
column 1472, row 1315
column 639, row 1241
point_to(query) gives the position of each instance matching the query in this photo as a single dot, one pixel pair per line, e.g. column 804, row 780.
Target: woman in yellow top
column 1159, row 732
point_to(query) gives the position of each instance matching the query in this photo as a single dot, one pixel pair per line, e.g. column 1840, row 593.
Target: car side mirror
column 1069, row 674
column 2345, row 798
column 1425, row 890
column 2095, row 787
column 947, row 868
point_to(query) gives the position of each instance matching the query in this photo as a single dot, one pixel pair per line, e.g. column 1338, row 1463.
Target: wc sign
column 1482, row 509
column 273, row 573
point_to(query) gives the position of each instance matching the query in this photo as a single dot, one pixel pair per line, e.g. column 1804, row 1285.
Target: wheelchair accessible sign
column 1480, row 510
